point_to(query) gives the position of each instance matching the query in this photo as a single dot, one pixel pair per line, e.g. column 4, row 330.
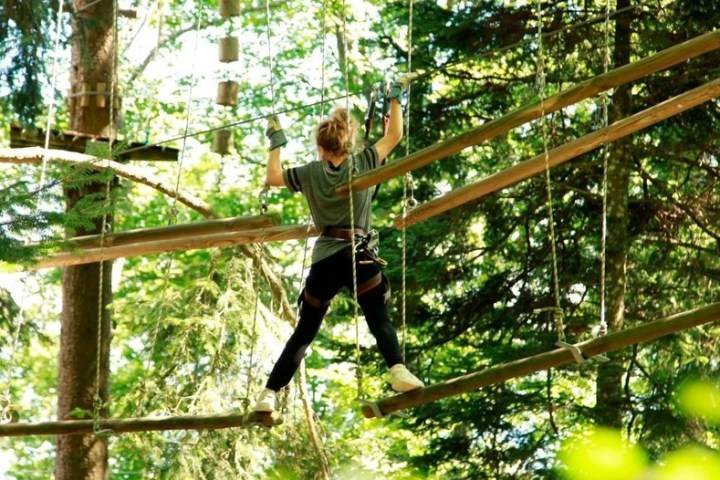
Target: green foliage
column 24, row 36
column 183, row 337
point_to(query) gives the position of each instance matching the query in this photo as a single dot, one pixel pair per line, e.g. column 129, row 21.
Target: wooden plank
column 215, row 240
column 172, row 232
column 613, row 341
column 147, row 424
column 561, row 154
column 76, row 142
column 619, row 76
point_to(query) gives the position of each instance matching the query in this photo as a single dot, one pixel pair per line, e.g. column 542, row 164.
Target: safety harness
column 366, row 243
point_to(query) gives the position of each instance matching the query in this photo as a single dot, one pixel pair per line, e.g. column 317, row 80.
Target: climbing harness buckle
column 369, row 244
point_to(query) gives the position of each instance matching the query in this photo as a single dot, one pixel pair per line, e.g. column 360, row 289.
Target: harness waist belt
column 342, row 233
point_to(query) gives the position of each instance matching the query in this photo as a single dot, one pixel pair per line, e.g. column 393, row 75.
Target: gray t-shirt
column 317, row 180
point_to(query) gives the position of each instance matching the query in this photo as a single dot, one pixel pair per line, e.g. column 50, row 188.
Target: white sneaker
column 402, row 380
column 266, row 401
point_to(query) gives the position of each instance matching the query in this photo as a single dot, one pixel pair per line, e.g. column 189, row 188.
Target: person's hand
column 275, row 133
column 400, row 85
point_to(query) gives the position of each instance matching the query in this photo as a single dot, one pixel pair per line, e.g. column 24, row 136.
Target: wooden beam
column 561, row 154
column 175, row 232
column 147, row 424
column 77, row 142
column 619, row 76
column 214, row 240
column 646, row 332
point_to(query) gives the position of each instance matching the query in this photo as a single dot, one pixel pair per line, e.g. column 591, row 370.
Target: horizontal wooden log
column 174, row 232
column 561, row 154
column 646, row 332
column 147, row 424
column 619, row 76
column 215, row 240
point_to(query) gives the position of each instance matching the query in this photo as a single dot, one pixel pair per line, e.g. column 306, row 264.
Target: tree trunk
column 609, row 401
column 85, row 332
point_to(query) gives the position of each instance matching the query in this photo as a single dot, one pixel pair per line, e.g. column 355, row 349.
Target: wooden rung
column 213, row 240
column 646, row 332
column 145, row 424
column 619, row 76
column 561, row 154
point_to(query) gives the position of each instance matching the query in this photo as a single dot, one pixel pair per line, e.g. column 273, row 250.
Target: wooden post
column 646, row 332
column 221, row 141
column 146, row 424
column 561, row 154
column 229, row 8
column 611, row 79
column 214, row 240
column 228, row 49
column 227, row 93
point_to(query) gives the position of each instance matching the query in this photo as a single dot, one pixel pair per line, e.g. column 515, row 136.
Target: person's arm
column 394, row 132
column 274, row 171
column 395, row 124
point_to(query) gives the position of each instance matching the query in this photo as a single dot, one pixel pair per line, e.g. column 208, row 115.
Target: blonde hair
column 337, row 134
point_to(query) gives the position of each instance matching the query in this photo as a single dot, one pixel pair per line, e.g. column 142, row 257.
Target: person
column 331, row 267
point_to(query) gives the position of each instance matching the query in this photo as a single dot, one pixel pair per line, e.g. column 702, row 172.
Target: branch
column 34, row 156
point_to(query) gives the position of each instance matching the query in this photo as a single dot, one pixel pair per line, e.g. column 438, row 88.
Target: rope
column 365, row 92
column 605, row 100
column 408, row 185
column 5, row 411
column 172, row 219
column 270, row 56
column 543, row 123
column 105, row 229
column 351, row 171
column 51, row 106
column 253, row 332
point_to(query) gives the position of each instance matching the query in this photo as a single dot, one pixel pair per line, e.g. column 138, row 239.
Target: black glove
column 275, row 133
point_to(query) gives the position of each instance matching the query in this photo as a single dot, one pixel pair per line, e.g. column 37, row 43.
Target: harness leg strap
column 312, row 300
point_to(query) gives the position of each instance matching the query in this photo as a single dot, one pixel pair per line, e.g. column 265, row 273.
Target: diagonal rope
column 172, row 219
column 5, row 412
column 427, row 73
column 53, row 84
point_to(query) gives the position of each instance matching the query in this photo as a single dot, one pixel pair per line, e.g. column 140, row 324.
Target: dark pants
column 324, row 281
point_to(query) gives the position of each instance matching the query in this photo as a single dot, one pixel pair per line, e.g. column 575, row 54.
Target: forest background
column 197, row 331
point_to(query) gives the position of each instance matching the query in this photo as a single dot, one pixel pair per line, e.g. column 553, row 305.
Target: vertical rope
column 104, row 230
column 270, row 56
column 603, row 327
column 351, row 200
column 408, row 185
column 51, row 106
column 543, row 123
